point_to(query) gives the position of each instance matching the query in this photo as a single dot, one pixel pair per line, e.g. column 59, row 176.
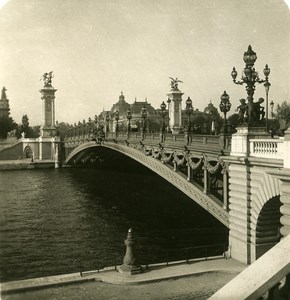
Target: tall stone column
column 47, row 128
column 47, row 140
column 175, row 97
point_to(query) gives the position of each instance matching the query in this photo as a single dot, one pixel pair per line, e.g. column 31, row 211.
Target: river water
column 57, row 221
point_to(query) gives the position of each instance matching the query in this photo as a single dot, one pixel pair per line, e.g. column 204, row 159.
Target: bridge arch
column 28, row 152
column 208, row 202
column 268, row 226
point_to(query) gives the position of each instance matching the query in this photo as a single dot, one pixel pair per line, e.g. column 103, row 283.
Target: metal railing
column 164, row 257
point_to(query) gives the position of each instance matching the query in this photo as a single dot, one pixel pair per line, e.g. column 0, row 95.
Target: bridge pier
column 257, row 189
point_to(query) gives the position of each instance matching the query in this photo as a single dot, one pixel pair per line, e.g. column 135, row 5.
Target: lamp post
column 79, row 129
column 163, row 113
column 272, row 107
column 144, row 116
column 129, row 117
column 75, row 130
column 107, row 119
column 84, row 128
column 168, row 103
column 189, row 110
column 267, row 85
column 89, row 124
column 225, row 107
column 250, row 77
column 117, row 125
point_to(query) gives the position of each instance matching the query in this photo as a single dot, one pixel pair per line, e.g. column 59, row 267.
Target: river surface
column 57, row 221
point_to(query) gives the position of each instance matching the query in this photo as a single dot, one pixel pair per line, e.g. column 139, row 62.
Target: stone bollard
column 129, row 262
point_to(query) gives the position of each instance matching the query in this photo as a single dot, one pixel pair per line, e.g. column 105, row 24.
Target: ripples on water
column 51, row 220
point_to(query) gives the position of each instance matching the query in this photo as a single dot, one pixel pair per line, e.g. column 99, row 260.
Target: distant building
column 201, row 121
column 153, row 118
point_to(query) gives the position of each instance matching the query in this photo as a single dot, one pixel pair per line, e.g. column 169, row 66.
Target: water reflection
column 50, row 218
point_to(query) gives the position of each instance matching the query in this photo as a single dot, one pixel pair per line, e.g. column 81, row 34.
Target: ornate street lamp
column 79, row 128
column 129, row 117
column 225, row 107
column 95, row 123
column 84, row 127
column 267, row 85
column 56, row 128
column 117, row 124
column 272, row 107
column 89, row 125
column 189, row 110
column 75, row 130
column 144, row 116
column 250, row 77
column 163, row 114
column 168, row 104
column 107, row 120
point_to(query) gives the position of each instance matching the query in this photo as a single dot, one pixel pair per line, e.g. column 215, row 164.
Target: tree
column 25, row 128
column 283, row 112
column 6, row 125
column 234, row 120
column 62, row 128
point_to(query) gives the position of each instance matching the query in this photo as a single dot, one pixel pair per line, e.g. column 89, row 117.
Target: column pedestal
column 175, row 97
column 130, row 267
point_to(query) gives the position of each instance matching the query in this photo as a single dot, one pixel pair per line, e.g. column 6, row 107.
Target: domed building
column 122, row 106
column 211, row 110
column 152, row 120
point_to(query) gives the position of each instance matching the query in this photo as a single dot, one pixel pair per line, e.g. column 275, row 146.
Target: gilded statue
column 46, row 78
column 174, row 84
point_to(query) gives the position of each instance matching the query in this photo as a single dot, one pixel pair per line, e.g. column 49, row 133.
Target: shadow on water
column 54, row 220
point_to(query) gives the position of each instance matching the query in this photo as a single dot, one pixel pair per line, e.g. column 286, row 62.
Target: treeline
column 9, row 128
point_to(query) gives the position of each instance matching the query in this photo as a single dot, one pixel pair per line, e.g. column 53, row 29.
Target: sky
column 98, row 48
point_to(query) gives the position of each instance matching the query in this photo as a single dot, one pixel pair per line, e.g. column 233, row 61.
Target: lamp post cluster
column 252, row 110
column 250, row 77
column 225, row 107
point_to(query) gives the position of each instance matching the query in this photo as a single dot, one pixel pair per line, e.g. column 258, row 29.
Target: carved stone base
column 130, row 270
column 176, row 129
column 47, row 132
column 240, row 140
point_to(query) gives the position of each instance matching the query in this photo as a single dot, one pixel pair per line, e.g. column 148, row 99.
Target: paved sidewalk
column 110, row 275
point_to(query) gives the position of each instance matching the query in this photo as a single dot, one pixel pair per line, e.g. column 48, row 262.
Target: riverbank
column 195, row 287
column 176, row 281
column 25, row 164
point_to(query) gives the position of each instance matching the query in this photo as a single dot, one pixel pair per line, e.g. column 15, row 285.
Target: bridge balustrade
column 267, row 148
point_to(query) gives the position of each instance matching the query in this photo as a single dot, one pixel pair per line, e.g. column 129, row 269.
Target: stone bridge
column 243, row 181
column 195, row 168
